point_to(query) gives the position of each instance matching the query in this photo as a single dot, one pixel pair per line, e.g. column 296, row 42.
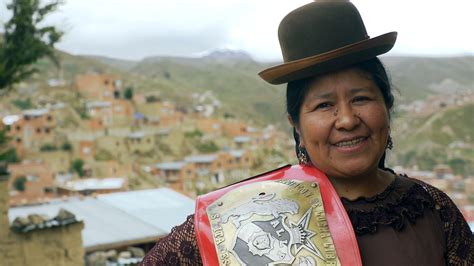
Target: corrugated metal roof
column 236, row 153
column 95, row 183
column 170, row 165
column 124, row 217
column 36, row 112
column 98, row 104
column 242, row 139
column 163, row 208
column 205, row 158
column 136, row 135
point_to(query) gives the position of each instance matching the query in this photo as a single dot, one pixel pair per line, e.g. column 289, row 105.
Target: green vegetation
column 48, row 147
column 103, row 155
column 164, row 148
column 425, row 141
column 23, row 104
column 25, row 41
column 193, row 134
column 7, row 153
column 128, row 94
column 207, row 146
column 78, row 166
column 82, row 112
column 9, row 156
column 67, row 146
column 19, row 183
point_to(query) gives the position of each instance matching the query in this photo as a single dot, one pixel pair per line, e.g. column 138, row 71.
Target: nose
column 346, row 118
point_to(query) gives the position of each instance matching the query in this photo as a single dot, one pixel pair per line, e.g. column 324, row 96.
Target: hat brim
column 329, row 61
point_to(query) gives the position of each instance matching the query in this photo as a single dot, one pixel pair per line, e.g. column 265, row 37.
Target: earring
column 302, row 156
column 389, row 143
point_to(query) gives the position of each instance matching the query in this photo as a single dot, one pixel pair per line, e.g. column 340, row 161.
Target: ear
column 298, row 131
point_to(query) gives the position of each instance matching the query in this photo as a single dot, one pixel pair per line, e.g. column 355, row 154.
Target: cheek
column 378, row 120
column 314, row 129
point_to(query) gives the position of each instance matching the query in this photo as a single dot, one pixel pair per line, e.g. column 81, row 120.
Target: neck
column 362, row 186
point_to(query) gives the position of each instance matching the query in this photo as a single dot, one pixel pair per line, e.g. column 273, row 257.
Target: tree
column 19, row 183
column 7, row 153
column 78, row 167
column 24, row 41
column 128, row 94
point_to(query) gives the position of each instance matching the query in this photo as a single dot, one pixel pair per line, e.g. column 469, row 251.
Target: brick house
column 59, row 161
column 114, row 144
column 122, row 112
column 211, row 165
column 37, row 180
column 161, row 113
column 139, row 142
column 86, row 150
column 180, row 176
column 104, row 169
column 98, row 86
column 31, row 130
column 233, row 128
column 210, row 125
column 242, row 159
column 113, row 113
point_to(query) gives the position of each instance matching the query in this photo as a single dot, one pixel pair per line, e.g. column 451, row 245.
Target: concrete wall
column 54, row 246
column 60, row 245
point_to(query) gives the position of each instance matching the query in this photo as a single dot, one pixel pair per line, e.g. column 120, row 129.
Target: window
column 46, row 130
column 32, row 178
column 86, row 150
column 18, row 140
column 38, row 130
column 18, row 128
column 49, row 118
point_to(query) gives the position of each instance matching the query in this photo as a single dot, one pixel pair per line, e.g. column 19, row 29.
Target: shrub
column 48, row 147
column 77, row 166
column 19, row 183
column 66, row 146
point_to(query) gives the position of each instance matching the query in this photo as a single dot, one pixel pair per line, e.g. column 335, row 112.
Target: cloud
column 133, row 29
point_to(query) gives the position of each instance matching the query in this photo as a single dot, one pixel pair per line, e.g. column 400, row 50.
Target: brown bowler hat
column 324, row 36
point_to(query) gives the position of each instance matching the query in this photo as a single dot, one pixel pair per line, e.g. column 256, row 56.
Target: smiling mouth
column 350, row 143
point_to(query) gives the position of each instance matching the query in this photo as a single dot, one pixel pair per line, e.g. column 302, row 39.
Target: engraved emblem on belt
column 270, row 223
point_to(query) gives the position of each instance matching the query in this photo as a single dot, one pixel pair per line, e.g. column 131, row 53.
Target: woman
column 338, row 101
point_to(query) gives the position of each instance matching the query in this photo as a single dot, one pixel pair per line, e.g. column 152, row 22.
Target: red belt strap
column 339, row 224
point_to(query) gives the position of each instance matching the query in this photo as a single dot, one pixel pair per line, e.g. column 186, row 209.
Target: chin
column 352, row 170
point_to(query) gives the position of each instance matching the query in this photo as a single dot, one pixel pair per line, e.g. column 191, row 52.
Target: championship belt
column 290, row 216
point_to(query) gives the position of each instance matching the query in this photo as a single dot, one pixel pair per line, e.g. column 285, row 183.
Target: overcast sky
column 134, row 29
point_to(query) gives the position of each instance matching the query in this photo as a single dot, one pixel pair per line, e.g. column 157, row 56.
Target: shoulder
column 441, row 199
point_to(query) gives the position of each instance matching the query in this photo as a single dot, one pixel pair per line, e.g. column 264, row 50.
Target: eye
column 360, row 99
column 323, row 105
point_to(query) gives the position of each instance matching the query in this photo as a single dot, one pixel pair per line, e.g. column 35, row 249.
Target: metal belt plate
column 272, row 223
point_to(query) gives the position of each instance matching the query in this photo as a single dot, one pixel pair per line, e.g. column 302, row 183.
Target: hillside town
column 98, row 146
column 106, row 140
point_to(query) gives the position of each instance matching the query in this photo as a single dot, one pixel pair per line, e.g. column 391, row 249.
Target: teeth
column 349, row 143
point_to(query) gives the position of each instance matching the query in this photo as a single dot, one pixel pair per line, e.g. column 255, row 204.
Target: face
column 344, row 124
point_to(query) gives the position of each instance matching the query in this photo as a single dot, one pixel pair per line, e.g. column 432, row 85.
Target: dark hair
column 296, row 91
